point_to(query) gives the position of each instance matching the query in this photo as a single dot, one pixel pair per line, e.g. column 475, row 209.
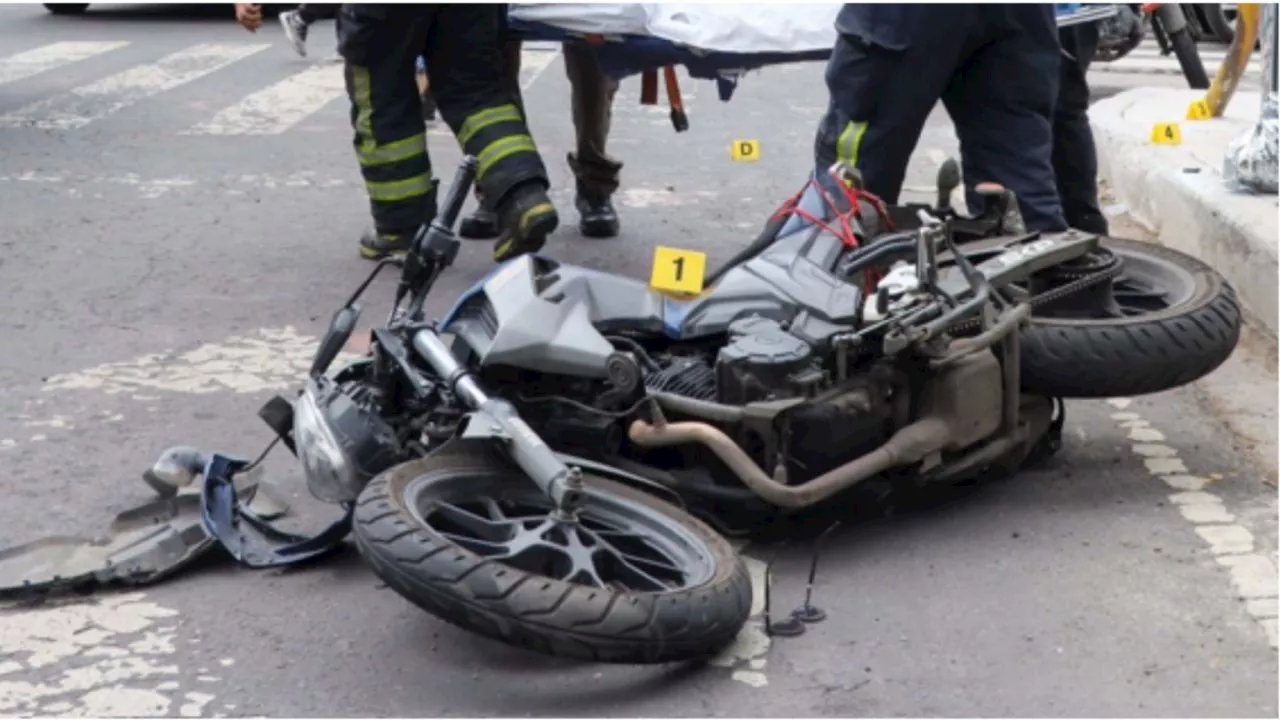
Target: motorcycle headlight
column 331, row 476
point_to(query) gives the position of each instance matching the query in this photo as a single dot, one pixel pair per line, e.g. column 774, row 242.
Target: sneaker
column 480, row 225
column 597, row 218
column 528, row 217
column 295, row 30
column 376, row 245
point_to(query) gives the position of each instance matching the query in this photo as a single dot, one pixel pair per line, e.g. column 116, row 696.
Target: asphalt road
column 166, row 264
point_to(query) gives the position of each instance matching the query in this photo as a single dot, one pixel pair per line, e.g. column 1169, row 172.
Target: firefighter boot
column 376, row 245
column 480, row 225
column 527, row 217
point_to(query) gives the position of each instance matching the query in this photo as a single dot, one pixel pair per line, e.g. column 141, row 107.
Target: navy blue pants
column 1075, row 157
column 995, row 68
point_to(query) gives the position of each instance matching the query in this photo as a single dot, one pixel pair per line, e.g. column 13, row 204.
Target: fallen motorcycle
column 551, row 476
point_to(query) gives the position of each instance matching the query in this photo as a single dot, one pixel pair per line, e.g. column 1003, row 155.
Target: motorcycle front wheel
column 465, row 536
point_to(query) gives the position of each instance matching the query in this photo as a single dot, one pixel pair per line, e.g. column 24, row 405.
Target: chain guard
column 1094, row 268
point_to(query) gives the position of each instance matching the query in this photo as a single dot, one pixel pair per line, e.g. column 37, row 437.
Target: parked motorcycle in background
column 1174, row 32
column 1128, row 26
column 1215, row 22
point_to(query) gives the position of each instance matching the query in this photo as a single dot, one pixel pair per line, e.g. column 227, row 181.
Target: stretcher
column 721, row 43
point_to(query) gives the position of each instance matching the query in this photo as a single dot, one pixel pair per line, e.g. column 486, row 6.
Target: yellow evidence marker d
column 1199, row 110
column 745, row 150
column 1166, row 134
column 678, row 271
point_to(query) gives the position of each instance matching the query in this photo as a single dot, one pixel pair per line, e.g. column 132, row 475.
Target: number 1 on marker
column 678, row 271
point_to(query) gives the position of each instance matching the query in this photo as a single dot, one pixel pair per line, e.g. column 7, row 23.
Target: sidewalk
column 1178, row 190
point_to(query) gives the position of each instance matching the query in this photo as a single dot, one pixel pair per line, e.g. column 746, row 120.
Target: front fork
column 495, row 418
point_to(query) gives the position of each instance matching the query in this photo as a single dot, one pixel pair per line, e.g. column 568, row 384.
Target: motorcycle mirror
column 339, row 332
column 948, row 181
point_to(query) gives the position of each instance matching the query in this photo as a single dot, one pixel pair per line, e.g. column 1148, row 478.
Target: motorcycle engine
column 762, row 361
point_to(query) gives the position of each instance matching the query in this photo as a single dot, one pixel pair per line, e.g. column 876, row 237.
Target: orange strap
column 649, row 88
column 673, row 88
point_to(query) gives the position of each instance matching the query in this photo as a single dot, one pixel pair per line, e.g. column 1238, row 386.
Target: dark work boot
column 597, row 218
column 376, row 245
column 527, row 217
column 480, row 225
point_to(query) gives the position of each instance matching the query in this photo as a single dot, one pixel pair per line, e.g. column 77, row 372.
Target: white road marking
column 23, row 65
column 532, row 64
column 267, row 359
column 246, row 184
column 1148, row 61
column 101, row 98
column 279, row 107
column 746, row 655
column 1253, row 575
column 113, row 656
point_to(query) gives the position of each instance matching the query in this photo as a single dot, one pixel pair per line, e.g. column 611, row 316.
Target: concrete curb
column 1178, row 191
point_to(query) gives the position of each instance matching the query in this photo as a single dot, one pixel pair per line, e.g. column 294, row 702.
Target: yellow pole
column 1234, row 64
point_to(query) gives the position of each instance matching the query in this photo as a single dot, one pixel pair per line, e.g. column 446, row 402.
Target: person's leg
column 311, row 12
column 1075, row 158
column 1001, row 101
column 465, row 59
column 880, row 98
column 483, row 223
column 595, row 172
column 386, row 115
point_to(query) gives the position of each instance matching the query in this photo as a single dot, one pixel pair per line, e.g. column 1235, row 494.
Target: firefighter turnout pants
column 462, row 45
column 994, row 67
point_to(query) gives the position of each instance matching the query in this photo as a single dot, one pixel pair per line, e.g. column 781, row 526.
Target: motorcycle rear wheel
column 465, row 536
column 1173, row 321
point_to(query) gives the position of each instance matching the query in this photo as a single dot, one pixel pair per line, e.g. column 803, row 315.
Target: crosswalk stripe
column 277, row 108
column 1149, row 60
column 48, row 57
column 101, row 98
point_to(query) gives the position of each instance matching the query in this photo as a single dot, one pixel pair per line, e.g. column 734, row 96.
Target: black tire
column 66, row 8
column 1215, row 19
column 1150, row 353
column 534, row 611
column 1184, row 48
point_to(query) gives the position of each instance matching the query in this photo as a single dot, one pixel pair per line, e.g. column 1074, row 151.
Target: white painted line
column 1226, row 539
column 1165, row 65
column 532, row 63
column 745, row 656
column 26, row 64
column 277, row 108
column 101, row 98
column 1253, row 575
column 266, row 359
column 112, row 656
column 1263, row 607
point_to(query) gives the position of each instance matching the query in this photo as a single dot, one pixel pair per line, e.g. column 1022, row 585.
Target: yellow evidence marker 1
column 676, row 271
column 1166, row 134
column 745, row 150
column 1199, row 110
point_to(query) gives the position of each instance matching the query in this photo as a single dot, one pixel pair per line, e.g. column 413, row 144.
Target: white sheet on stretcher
column 738, row 28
